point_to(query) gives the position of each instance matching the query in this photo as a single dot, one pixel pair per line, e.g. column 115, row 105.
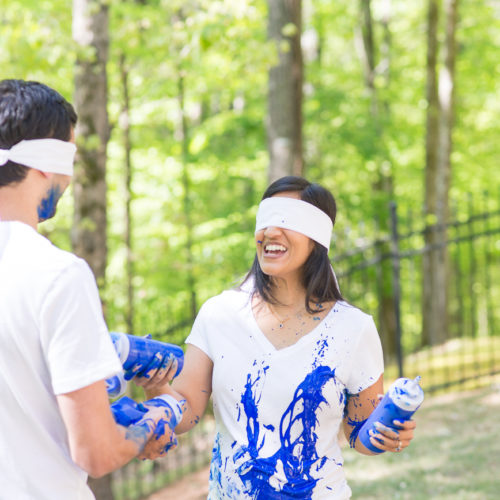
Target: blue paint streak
column 356, row 427
column 47, row 207
column 297, row 455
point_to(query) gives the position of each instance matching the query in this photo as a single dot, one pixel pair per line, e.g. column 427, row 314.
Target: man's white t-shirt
column 278, row 411
column 53, row 340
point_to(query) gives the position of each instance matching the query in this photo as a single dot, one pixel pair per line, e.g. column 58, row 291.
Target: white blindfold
column 48, row 155
column 297, row 215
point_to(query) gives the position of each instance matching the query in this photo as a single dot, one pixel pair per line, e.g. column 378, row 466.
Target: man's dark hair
column 318, row 277
column 30, row 110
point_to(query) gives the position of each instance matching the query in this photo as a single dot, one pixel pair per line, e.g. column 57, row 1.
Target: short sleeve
column 367, row 360
column 74, row 336
column 199, row 333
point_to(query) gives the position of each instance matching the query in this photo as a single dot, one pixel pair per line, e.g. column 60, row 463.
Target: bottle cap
column 407, row 393
column 121, row 344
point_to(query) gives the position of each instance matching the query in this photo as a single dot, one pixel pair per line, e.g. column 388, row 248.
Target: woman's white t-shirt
column 278, row 411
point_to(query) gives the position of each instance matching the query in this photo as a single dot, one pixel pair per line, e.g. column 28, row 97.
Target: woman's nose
column 271, row 231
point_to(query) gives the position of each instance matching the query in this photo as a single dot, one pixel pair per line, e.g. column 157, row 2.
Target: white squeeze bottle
column 400, row 402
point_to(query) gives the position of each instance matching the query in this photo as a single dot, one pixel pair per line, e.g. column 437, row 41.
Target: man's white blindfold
column 48, row 155
column 297, row 215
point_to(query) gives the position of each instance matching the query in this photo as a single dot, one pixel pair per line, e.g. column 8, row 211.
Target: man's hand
column 163, row 439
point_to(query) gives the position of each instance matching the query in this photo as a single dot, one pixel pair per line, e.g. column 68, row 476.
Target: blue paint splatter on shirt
column 287, row 473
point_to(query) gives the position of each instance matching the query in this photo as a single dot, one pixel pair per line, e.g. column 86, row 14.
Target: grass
column 455, row 454
column 463, row 363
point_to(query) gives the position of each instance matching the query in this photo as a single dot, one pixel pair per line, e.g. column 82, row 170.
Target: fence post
column 396, row 283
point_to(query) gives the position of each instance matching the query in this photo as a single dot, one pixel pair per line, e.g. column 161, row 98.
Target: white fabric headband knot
column 297, row 215
column 48, row 155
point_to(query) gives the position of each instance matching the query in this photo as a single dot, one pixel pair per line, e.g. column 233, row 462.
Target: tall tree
column 127, row 146
column 284, row 121
column 182, row 134
column 90, row 32
column 440, row 98
column 375, row 58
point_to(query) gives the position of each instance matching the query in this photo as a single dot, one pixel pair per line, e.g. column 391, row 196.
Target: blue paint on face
column 297, row 457
column 47, row 207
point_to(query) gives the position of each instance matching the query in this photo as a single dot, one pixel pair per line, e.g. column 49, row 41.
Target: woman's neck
column 288, row 293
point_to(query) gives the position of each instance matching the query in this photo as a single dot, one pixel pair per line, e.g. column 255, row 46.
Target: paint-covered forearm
column 190, row 416
column 357, row 411
column 149, row 420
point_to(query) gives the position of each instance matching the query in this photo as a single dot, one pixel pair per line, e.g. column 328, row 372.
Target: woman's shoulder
column 348, row 309
column 352, row 314
column 226, row 301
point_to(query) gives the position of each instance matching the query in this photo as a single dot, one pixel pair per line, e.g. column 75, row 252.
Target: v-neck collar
column 269, row 347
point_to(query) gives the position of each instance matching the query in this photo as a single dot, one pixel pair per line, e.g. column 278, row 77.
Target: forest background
column 188, row 155
column 187, row 109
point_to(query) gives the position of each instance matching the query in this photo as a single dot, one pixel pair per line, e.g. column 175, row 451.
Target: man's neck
column 14, row 206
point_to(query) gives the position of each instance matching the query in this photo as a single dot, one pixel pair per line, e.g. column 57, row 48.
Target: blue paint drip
column 356, row 427
column 297, row 455
column 47, row 207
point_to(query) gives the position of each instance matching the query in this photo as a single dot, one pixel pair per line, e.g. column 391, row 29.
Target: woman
column 287, row 360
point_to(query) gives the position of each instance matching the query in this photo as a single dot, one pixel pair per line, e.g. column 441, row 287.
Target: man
column 55, row 351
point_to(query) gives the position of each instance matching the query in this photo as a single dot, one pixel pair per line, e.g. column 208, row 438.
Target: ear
column 46, row 175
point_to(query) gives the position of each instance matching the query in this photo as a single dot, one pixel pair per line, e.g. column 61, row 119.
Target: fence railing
column 468, row 353
column 384, row 277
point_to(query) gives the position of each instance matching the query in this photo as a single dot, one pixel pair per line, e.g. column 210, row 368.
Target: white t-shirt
column 278, row 411
column 53, row 340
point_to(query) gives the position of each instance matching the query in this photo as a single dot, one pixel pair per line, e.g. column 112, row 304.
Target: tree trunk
column 284, row 122
column 90, row 32
column 383, row 184
column 182, row 134
column 434, row 301
column 125, row 126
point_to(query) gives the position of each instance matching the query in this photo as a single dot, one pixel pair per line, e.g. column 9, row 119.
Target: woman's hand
column 388, row 439
column 159, row 372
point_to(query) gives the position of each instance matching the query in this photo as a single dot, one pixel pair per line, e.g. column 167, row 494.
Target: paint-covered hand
column 388, row 439
column 160, row 371
column 162, row 439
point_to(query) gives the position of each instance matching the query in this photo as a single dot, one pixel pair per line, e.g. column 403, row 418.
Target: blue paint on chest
column 297, row 457
column 47, row 207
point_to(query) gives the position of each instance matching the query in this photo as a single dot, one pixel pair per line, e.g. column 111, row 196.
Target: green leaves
column 220, row 52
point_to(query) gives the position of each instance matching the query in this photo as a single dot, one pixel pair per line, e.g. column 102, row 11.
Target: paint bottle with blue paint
column 401, row 401
column 127, row 412
column 139, row 355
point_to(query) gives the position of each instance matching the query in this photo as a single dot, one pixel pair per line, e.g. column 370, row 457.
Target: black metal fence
column 384, row 277
column 469, row 355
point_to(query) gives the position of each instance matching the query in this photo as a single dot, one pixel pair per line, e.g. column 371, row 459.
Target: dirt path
column 192, row 487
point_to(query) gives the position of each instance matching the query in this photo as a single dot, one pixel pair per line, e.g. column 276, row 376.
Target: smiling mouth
column 274, row 249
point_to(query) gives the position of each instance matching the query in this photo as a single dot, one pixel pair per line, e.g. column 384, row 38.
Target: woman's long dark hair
column 318, row 278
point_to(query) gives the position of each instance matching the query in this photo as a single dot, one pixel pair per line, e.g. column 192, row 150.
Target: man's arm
column 97, row 444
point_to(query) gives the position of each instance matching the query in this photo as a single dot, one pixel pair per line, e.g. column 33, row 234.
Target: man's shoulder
column 34, row 250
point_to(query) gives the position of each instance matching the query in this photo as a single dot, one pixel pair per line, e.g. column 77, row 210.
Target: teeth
column 275, row 248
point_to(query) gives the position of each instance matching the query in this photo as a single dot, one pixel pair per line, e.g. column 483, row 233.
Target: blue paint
column 356, row 427
column 400, row 402
column 297, row 457
column 47, row 207
column 143, row 357
column 133, row 415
